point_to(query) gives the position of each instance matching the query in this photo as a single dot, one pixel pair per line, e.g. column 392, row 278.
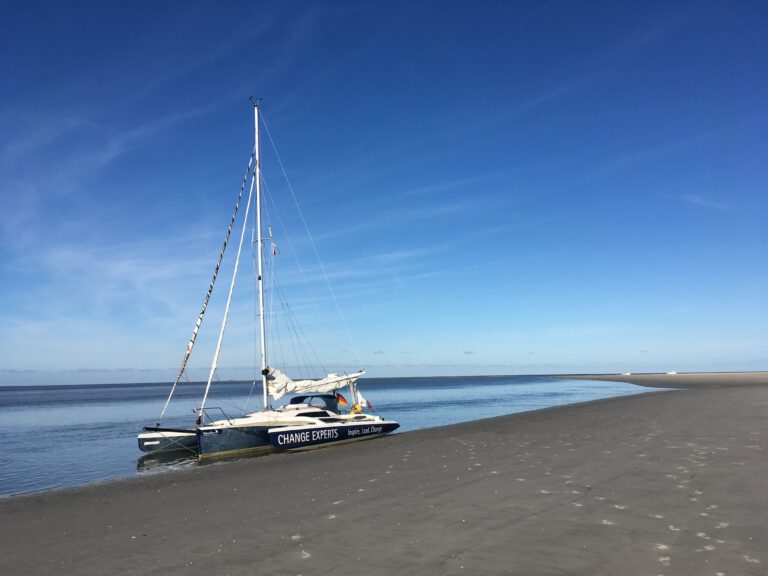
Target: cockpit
column 323, row 401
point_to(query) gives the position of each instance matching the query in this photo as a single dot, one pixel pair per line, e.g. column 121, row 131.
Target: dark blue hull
column 304, row 438
column 231, row 441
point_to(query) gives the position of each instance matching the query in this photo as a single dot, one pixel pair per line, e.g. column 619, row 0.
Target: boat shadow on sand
column 180, row 460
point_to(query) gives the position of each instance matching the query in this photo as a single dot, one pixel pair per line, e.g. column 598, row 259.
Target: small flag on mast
column 363, row 402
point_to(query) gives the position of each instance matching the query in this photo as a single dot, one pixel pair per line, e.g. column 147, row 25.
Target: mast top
column 254, row 101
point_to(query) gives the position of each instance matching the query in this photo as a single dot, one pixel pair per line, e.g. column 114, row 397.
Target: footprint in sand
column 750, row 559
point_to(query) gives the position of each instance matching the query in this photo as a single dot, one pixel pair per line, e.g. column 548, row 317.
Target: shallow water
column 59, row 436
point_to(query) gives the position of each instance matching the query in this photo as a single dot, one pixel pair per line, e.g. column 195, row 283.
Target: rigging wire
column 312, row 242
column 196, row 329
column 307, row 367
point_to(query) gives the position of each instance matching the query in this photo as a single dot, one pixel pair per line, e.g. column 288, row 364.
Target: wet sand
column 661, row 483
column 691, row 380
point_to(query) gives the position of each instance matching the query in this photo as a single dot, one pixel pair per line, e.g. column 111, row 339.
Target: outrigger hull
column 155, row 439
column 295, row 438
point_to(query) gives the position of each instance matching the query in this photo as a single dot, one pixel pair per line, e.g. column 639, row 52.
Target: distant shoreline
column 652, row 379
column 680, row 380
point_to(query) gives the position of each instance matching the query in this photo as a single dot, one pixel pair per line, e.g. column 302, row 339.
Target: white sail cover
column 278, row 384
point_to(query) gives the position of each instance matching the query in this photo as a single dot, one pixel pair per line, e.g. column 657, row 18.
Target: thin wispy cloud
column 379, row 265
column 704, row 202
column 676, row 144
column 518, row 110
column 31, row 189
column 470, row 182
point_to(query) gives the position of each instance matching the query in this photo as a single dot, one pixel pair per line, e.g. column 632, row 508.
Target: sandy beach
column 661, row 483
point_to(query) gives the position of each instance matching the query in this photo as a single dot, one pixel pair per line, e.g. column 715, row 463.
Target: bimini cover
column 278, row 384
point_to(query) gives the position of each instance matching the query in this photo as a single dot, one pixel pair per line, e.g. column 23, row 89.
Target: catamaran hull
column 295, row 438
column 232, row 441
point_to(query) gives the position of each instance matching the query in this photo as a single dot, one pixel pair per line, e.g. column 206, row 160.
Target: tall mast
column 260, row 242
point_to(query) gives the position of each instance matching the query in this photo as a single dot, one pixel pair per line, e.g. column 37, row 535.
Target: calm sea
column 58, row 436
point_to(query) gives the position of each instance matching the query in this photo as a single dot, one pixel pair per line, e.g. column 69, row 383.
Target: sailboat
column 314, row 415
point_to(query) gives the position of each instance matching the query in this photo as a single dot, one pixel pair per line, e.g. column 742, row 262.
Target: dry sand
column 662, row 483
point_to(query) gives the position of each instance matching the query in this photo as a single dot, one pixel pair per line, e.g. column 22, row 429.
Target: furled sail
column 278, row 384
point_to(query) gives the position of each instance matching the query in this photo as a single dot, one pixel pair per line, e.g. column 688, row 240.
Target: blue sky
column 515, row 187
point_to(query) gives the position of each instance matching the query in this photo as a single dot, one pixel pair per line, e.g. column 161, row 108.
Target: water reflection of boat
column 313, row 418
column 159, row 461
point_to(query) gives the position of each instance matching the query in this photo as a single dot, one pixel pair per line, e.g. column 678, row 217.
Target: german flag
column 341, row 400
